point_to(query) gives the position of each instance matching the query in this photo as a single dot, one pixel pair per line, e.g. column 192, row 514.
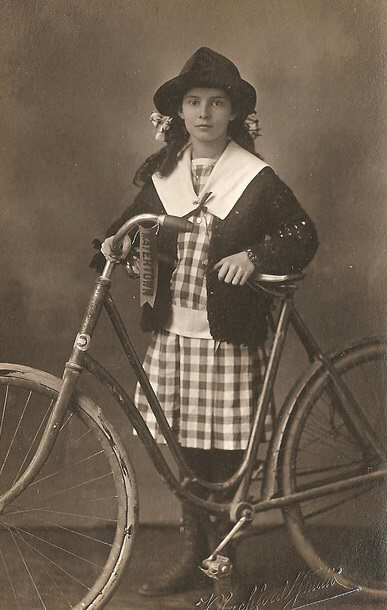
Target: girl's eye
column 217, row 102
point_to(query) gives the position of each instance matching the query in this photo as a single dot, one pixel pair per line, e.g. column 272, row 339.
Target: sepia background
column 77, row 81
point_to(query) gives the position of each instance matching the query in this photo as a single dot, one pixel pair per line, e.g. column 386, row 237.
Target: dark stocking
column 199, row 536
column 218, row 465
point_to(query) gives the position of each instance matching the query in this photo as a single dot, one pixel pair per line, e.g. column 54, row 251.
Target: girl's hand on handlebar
column 235, row 269
column 112, row 255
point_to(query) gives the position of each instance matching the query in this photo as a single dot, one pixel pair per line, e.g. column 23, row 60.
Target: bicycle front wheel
column 65, row 540
column 342, row 534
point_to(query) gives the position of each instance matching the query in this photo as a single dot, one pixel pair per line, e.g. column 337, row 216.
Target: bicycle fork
column 73, row 369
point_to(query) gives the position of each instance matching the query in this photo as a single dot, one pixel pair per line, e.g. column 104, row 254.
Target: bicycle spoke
column 366, row 396
column 28, row 572
column 47, row 575
column 63, row 530
column 343, row 529
column 17, row 509
column 3, row 410
column 55, row 546
column 326, row 428
column 46, row 522
column 57, row 587
column 338, row 472
column 82, row 436
column 313, row 439
column 66, row 514
column 363, row 399
column 78, row 486
column 54, row 563
column 32, row 443
column 371, row 390
column 317, row 448
column 323, row 433
column 63, row 426
column 15, row 433
column 69, row 465
column 10, row 581
column 95, row 500
column 331, row 507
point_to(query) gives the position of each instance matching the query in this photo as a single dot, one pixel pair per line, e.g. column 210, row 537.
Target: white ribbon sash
column 148, row 265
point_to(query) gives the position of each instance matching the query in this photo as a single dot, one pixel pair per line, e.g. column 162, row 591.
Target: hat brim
column 168, row 97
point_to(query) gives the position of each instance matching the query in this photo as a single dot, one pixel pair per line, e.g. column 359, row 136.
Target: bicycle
column 67, row 481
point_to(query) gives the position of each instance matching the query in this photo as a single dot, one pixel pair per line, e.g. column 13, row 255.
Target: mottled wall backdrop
column 77, row 80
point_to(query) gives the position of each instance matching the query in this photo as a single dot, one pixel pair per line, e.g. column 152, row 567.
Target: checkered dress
column 207, row 389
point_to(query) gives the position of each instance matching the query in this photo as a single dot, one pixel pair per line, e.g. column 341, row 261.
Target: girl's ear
column 180, row 113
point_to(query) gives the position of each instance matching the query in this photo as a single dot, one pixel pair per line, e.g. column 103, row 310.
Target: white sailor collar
column 233, row 171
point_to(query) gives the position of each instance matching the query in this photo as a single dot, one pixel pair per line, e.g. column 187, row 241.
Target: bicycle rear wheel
column 342, row 535
column 65, row 540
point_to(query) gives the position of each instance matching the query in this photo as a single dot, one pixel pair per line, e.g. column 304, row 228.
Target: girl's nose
column 203, row 111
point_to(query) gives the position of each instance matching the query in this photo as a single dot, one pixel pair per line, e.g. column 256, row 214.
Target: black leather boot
column 184, row 574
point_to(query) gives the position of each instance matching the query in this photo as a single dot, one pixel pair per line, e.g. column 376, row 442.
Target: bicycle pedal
column 216, row 568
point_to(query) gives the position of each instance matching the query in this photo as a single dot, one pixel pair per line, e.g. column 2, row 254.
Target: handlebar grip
column 180, row 225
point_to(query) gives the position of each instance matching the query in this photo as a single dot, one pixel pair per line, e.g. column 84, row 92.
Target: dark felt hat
column 206, row 68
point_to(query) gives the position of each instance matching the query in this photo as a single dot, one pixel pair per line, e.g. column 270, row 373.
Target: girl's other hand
column 110, row 254
column 235, row 269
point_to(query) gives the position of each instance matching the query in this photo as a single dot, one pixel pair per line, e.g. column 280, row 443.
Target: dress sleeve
column 291, row 238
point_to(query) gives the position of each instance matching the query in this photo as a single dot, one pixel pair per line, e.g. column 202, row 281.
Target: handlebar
column 180, row 225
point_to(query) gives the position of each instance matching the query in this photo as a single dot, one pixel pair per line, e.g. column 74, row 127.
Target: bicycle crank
column 217, row 566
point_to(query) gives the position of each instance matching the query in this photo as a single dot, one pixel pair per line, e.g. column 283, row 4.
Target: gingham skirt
column 207, row 390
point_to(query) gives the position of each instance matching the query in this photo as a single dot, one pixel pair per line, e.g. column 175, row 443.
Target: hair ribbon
column 161, row 123
column 251, row 122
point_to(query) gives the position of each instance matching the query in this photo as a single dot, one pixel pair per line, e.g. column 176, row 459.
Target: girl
column 206, row 323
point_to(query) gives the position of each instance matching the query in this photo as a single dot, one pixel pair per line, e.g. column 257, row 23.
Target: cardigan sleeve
column 290, row 237
column 139, row 206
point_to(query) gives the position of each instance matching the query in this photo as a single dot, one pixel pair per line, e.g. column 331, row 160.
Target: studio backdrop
column 77, row 85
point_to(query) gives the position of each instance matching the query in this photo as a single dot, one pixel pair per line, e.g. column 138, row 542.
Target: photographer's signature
column 307, row 588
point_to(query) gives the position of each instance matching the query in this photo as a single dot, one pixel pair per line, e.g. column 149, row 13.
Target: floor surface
column 268, row 560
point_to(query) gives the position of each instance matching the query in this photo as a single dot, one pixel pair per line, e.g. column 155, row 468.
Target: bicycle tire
column 66, row 539
column 340, row 535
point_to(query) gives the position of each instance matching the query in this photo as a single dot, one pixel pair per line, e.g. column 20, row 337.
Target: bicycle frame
column 288, row 315
column 241, row 480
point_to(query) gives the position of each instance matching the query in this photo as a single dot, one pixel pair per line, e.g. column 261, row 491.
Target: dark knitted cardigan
column 268, row 219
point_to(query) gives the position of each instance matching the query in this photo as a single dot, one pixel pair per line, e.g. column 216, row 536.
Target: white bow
column 161, row 123
column 252, row 124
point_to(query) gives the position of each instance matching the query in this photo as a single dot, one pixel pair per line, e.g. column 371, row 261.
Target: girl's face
column 206, row 114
